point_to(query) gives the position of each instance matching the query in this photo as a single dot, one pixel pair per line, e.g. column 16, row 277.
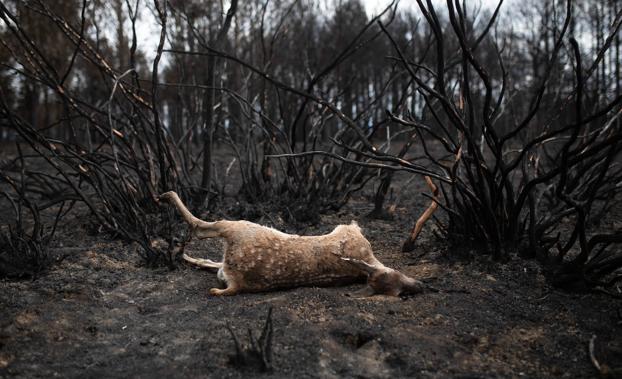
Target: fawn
column 259, row 258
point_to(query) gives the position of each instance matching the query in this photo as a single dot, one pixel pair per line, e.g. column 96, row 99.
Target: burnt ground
column 100, row 313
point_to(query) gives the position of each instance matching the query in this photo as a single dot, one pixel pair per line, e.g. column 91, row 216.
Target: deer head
column 382, row 280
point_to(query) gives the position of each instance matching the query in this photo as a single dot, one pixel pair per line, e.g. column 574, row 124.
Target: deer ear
column 364, row 266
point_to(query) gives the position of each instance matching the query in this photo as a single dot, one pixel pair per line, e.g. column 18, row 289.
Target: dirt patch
column 100, row 314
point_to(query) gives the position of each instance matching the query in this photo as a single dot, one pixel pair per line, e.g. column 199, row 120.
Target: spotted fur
column 258, row 258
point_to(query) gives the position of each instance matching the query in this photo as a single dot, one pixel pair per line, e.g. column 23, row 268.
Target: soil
column 100, row 313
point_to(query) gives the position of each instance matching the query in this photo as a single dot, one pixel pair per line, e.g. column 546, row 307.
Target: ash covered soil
column 100, row 313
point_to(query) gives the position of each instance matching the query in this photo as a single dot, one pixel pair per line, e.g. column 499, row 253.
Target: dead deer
column 259, row 258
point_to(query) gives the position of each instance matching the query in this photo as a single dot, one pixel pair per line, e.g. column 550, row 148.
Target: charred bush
column 518, row 134
column 256, row 355
column 24, row 244
column 531, row 184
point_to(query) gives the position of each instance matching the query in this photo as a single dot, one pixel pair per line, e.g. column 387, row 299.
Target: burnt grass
column 100, row 312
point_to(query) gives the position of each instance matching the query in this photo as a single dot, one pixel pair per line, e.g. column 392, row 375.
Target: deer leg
column 361, row 265
column 206, row 263
column 229, row 291
column 233, row 281
column 204, row 229
column 366, row 291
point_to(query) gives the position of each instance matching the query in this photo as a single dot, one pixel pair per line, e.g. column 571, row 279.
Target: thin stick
column 592, row 356
column 409, row 244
